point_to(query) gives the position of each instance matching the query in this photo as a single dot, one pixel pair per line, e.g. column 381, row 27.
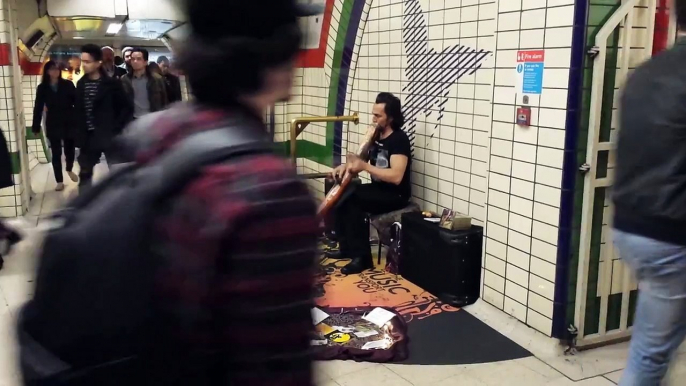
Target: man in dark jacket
column 102, row 112
column 649, row 195
column 173, row 82
column 147, row 91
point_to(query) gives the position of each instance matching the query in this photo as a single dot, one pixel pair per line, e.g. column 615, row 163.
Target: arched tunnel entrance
column 55, row 30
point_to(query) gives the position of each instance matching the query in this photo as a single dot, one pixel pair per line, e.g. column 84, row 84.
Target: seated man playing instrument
column 390, row 159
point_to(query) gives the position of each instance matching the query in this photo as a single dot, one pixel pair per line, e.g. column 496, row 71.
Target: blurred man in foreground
column 649, row 194
column 251, row 215
column 218, row 273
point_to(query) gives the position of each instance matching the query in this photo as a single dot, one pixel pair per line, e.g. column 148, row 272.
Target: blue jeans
column 660, row 322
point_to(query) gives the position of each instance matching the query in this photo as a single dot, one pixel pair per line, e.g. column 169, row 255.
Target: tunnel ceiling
column 99, row 28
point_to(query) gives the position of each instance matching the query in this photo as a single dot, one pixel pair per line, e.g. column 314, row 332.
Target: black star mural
column 430, row 73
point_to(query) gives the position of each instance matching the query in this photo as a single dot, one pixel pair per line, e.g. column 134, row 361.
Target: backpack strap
column 181, row 164
column 174, row 169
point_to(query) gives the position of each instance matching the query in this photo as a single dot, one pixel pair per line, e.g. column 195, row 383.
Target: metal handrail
column 298, row 125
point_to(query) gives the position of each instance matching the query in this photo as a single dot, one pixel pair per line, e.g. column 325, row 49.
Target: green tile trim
column 309, row 150
column 323, row 154
column 31, row 136
column 16, row 162
column 592, row 300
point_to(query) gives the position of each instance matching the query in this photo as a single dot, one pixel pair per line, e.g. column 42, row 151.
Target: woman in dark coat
column 57, row 96
column 8, row 236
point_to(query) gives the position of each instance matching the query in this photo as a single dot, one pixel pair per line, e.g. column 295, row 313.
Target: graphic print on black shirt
column 380, row 156
column 91, row 92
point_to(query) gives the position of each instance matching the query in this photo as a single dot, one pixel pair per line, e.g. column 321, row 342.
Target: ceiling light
column 79, row 37
column 114, row 28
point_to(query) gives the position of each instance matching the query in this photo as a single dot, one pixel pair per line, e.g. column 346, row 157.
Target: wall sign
column 530, row 66
column 315, row 31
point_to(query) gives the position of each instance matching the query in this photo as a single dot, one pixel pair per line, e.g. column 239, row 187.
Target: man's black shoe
column 334, row 254
column 358, row 265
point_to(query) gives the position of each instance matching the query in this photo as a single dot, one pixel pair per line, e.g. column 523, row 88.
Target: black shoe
column 358, row 265
column 14, row 237
column 334, row 254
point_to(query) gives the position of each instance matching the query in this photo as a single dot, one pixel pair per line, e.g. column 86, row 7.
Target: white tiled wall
column 36, row 151
column 525, row 165
column 452, row 116
column 469, row 155
column 310, row 98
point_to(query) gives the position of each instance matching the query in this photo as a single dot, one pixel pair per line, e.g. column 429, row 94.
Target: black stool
column 383, row 223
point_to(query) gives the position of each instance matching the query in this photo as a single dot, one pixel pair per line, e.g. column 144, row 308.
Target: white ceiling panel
column 70, row 8
column 156, row 10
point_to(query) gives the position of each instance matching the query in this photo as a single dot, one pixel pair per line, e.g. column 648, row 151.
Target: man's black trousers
column 352, row 228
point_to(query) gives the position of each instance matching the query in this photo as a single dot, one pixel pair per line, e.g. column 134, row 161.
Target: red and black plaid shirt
column 239, row 250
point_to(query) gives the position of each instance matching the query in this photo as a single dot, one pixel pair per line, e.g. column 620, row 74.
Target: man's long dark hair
column 46, row 69
column 393, row 109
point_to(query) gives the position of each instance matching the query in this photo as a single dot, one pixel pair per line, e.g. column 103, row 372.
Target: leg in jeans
column 660, row 323
column 56, row 149
column 352, row 222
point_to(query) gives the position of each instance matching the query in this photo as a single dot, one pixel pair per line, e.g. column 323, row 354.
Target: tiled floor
column 599, row 367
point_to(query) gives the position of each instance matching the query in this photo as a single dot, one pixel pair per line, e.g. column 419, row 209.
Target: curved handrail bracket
column 298, row 125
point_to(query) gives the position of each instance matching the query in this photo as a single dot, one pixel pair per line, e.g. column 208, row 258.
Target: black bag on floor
column 91, row 320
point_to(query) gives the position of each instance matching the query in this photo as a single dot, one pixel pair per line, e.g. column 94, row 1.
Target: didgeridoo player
column 390, row 159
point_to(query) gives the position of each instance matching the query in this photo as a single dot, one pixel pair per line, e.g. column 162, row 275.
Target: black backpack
column 91, row 320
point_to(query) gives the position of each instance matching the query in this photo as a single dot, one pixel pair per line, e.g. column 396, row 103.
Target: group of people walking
column 88, row 111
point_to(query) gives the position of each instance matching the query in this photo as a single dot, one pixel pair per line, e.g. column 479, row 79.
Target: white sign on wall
column 312, row 28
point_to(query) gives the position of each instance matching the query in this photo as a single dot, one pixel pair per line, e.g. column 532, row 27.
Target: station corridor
column 498, row 228
column 547, row 367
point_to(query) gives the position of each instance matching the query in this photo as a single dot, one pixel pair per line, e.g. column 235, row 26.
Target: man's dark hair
column 163, row 59
column 94, row 51
column 118, row 60
column 146, row 54
column 392, row 108
column 680, row 11
column 237, row 49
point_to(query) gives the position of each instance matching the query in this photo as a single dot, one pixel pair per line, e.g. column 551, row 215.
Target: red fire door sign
column 530, row 66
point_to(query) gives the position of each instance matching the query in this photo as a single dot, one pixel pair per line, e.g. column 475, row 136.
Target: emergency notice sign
column 530, row 66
